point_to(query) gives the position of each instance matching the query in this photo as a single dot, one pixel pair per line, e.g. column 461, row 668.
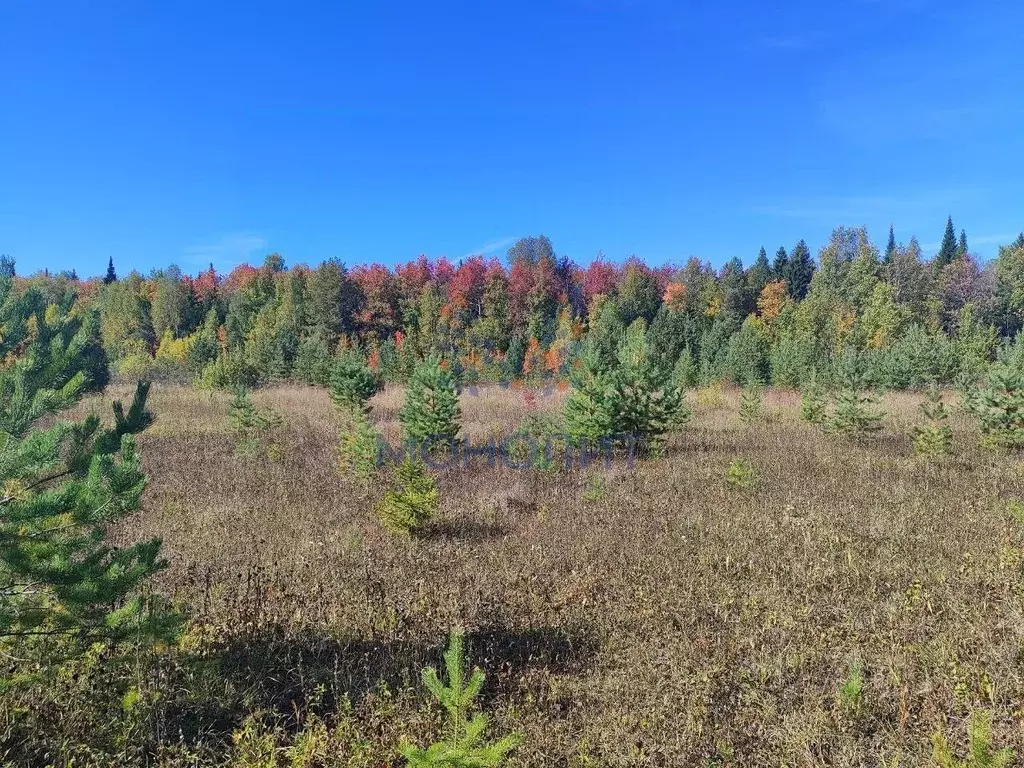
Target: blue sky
column 191, row 132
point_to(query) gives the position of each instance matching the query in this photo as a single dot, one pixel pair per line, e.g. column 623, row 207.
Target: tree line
column 904, row 319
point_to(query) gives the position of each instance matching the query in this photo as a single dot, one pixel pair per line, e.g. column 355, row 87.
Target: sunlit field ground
column 644, row 615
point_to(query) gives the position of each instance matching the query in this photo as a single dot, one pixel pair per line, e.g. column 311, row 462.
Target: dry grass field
column 644, row 615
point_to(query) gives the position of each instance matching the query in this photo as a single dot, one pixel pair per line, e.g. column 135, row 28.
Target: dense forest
column 904, row 319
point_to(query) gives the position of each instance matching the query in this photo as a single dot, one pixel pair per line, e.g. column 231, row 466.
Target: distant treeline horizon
column 907, row 320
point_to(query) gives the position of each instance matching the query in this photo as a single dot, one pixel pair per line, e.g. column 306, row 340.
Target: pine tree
column 359, row 445
column 253, row 428
column 999, row 407
column 812, row 402
column 63, row 483
column 431, row 412
column 6, row 267
column 111, row 276
column 961, row 249
column 935, row 438
column 856, row 414
column 890, row 248
column 411, row 500
column 352, row 382
column 463, row 747
column 981, row 754
column 635, row 399
column 948, row 250
column 751, row 402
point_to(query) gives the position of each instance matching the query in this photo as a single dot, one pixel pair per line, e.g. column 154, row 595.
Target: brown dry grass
column 669, row 622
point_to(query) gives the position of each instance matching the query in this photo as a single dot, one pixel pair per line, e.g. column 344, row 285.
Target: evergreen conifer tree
column 999, row 407
column 799, row 271
column 856, row 414
column 352, row 382
column 63, row 483
column 111, row 276
column 948, row 250
column 463, row 747
column 411, row 501
column 812, row 401
column 890, row 248
column 751, row 402
column 961, row 249
column 634, row 400
column 431, row 412
column 934, row 438
column 779, row 264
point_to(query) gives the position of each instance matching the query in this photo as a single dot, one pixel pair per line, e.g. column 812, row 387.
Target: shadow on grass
column 285, row 672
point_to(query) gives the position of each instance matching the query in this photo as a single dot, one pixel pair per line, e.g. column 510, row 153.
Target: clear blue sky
column 191, row 132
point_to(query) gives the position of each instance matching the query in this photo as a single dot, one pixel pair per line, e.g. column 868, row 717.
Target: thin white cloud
column 491, row 247
column 229, row 249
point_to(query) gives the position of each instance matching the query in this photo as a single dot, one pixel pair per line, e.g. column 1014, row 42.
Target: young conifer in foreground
column 751, row 403
column 62, row 484
column 352, row 382
column 411, row 501
column 934, row 438
column 812, row 402
column 856, row 414
column 464, row 745
column 999, row 407
column 431, row 412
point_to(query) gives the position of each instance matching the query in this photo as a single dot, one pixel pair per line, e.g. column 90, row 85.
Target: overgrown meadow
column 755, row 592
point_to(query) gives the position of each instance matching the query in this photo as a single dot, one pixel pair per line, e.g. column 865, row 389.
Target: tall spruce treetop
column 961, row 249
column 111, row 275
column 779, row 264
column 948, row 250
column 890, row 247
column 62, row 483
column 799, row 270
column 760, row 274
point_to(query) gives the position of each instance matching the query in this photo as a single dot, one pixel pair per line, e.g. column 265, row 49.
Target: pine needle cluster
column 62, row 484
column 464, row 745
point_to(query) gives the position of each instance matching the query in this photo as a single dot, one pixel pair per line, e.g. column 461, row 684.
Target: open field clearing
column 847, row 604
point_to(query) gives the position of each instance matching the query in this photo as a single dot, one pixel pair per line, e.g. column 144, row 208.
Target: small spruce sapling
column 934, row 438
column 253, row 428
column 411, row 501
column 812, row 402
column 352, row 382
column 856, row 413
column 751, row 403
column 464, row 745
column 980, row 755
